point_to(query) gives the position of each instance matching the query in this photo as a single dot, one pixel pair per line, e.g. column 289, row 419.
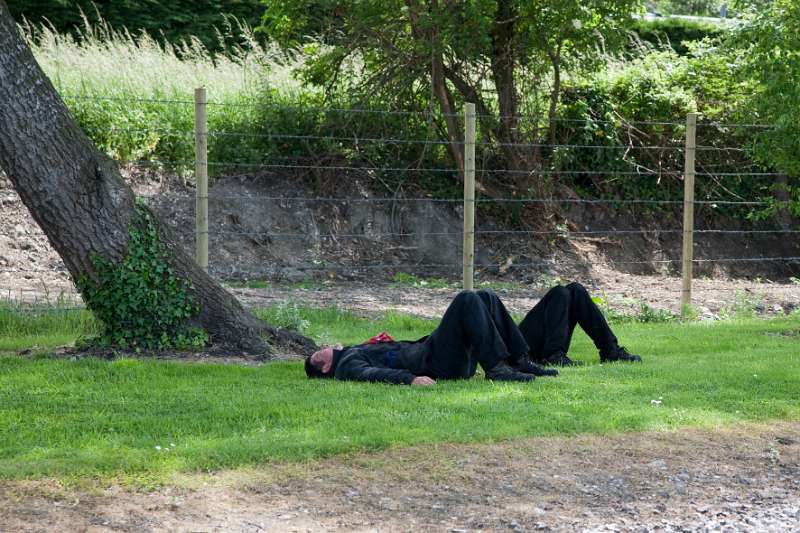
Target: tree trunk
column 503, row 63
column 437, row 68
column 78, row 197
column 555, row 59
column 456, row 143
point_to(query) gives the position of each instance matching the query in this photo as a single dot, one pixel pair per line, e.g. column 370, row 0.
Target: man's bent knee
column 576, row 287
column 487, row 294
column 559, row 291
column 466, row 298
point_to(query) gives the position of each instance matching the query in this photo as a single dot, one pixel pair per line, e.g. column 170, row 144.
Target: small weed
column 546, row 281
column 690, row 312
column 499, row 285
column 249, row 284
column 402, row 279
column 649, row 315
column 744, row 305
column 646, row 314
column 308, row 284
column 288, row 316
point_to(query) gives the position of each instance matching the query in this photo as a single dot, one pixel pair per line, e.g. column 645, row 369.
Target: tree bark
column 503, row 63
column 456, row 143
column 78, row 197
column 555, row 59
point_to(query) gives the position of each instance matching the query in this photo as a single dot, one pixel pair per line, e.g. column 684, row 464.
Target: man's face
column 323, row 359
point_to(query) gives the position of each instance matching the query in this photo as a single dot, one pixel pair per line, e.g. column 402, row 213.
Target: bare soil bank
column 272, row 228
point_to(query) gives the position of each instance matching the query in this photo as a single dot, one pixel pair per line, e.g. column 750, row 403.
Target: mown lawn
column 147, row 418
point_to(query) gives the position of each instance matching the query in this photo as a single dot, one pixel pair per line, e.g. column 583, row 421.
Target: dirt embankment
column 267, row 227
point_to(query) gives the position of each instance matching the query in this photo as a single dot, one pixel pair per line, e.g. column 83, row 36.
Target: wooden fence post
column 201, row 178
column 469, row 195
column 688, row 211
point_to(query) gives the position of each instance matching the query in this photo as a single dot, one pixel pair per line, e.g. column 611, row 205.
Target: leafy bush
column 603, row 112
column 402, row 279
column 676, row 32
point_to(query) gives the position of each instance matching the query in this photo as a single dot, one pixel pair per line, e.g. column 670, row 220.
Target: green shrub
column 676, row 32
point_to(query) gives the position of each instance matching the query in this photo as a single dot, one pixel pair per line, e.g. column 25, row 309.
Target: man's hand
column 423, row 381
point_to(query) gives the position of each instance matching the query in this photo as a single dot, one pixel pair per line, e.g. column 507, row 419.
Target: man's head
column 318, row 364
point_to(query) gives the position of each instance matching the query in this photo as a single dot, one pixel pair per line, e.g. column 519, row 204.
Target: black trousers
column 475, row 329
column 548, row 327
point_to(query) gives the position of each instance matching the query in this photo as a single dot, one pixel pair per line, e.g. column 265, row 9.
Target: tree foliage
column 768, row 48
column 677, row 33
column 687, row 7
column 485, row 51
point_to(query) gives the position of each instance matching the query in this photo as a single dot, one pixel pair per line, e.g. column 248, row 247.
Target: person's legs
column 512, row 336
column 548, row 327
column 466, row 336
column 585, row 313
column 505, row 325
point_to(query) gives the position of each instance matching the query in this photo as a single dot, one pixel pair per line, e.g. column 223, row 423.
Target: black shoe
column 502, row 372
column 619, row 354
column 561, row 359
column 525, row 365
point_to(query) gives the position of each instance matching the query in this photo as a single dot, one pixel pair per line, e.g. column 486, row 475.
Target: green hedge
column 676, row 32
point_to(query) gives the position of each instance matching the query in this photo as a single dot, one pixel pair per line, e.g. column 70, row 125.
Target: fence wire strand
column 308, row 164
column 621, row 122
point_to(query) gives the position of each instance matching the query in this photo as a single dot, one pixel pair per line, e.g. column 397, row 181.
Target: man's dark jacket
column 390, row 362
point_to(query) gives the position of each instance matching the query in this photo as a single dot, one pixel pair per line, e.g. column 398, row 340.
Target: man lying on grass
column 477, row 329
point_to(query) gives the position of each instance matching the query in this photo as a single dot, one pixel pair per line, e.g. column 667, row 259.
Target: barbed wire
column 336, row 199
column 127, row 99
column 734, row 125
column 392, row 140
column 502, row 267
column 565, row 234
column 539, row 264
column 480, row 171
column 524, row 264
column 621, row 121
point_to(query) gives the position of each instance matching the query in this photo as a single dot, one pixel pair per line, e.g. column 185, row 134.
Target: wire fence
column 399, row 232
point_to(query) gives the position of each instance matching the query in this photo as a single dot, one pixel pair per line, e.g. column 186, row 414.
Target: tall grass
column 103, row 61
column 109, row 78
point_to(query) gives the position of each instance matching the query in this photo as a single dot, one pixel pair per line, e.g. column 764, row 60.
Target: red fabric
column 380, row 337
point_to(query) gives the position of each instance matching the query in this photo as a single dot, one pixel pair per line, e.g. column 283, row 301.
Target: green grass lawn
column 90, row 417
